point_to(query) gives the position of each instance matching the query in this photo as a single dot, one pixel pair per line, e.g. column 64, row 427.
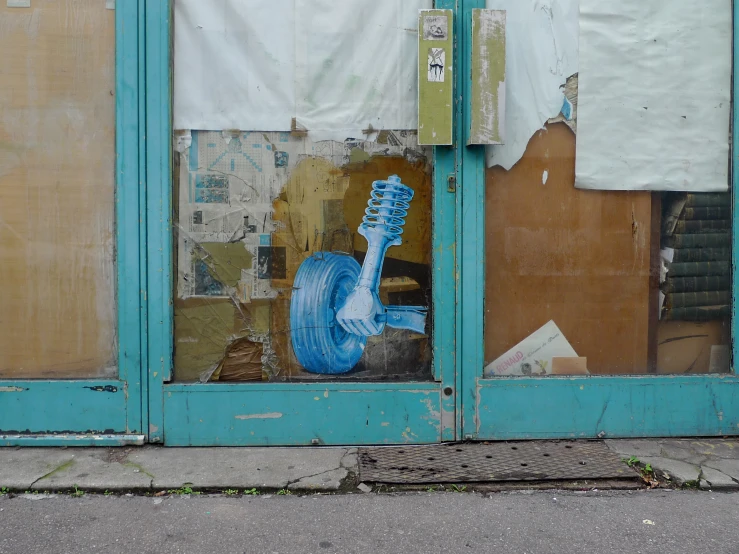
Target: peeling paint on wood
column 487, row 123
column 70, row 439
column 607, row 407
column 435, row 77
column 107, row 388
column 273, row 415
column 354, row 413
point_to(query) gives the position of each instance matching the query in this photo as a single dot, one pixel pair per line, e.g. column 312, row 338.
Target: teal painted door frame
column 587, row 406
column 102, row 411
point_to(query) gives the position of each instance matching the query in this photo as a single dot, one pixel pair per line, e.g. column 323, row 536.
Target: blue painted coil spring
column 387, row 208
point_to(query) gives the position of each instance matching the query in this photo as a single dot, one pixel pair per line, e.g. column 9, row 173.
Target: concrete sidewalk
column 159, row 468
column 708, row 463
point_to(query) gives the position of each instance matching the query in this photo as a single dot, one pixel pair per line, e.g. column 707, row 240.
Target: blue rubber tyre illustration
column 320, row 344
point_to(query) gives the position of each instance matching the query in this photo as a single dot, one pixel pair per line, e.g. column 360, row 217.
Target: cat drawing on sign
column 437, row 59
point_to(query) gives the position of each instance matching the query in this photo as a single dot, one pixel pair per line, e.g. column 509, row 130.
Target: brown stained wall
column 57, row 162
column 580, row 258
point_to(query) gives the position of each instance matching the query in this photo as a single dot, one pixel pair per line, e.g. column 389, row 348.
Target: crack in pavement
column 295, row 481
column 62, row 467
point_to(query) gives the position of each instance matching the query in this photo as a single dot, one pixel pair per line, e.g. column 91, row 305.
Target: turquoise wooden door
column 83, row 267
column 570, row 324
column 272, row 232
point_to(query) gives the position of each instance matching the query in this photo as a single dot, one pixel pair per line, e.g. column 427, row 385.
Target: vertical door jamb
column 470, row 241
column 158, row 247
column 444, row 261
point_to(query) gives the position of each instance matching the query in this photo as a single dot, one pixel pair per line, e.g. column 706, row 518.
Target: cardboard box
column 570, row 366
column 685, row 346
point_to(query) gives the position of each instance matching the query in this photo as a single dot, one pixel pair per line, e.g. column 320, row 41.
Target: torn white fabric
column 337, row 68
column 541, row 53
column 654, row 95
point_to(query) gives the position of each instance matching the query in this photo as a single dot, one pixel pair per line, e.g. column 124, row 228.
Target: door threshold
column 72, row 439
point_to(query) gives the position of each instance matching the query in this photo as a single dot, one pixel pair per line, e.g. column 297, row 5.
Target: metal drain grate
column 500, row 461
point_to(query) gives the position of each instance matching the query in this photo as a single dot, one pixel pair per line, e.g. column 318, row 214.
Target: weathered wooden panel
column 435, row 77
column 487, row 117
column 580, row 258
column 581, row 407
column 57, row 161
column 64, row 407
column 270, row 414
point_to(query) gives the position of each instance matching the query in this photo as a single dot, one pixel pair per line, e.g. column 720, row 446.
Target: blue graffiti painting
column 336, row 302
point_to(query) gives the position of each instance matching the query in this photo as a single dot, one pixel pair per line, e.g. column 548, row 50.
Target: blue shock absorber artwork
column 336, row 302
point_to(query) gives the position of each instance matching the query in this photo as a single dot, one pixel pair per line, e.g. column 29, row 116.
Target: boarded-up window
column 57, row 179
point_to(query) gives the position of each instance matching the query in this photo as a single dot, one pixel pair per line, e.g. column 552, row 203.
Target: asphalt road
column 523, row 523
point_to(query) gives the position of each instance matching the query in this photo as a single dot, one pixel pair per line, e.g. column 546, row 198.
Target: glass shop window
column 608, row 219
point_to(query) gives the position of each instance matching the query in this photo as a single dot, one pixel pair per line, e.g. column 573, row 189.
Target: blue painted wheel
column 322, row 345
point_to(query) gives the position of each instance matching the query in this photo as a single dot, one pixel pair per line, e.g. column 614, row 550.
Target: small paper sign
column 533, row 355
